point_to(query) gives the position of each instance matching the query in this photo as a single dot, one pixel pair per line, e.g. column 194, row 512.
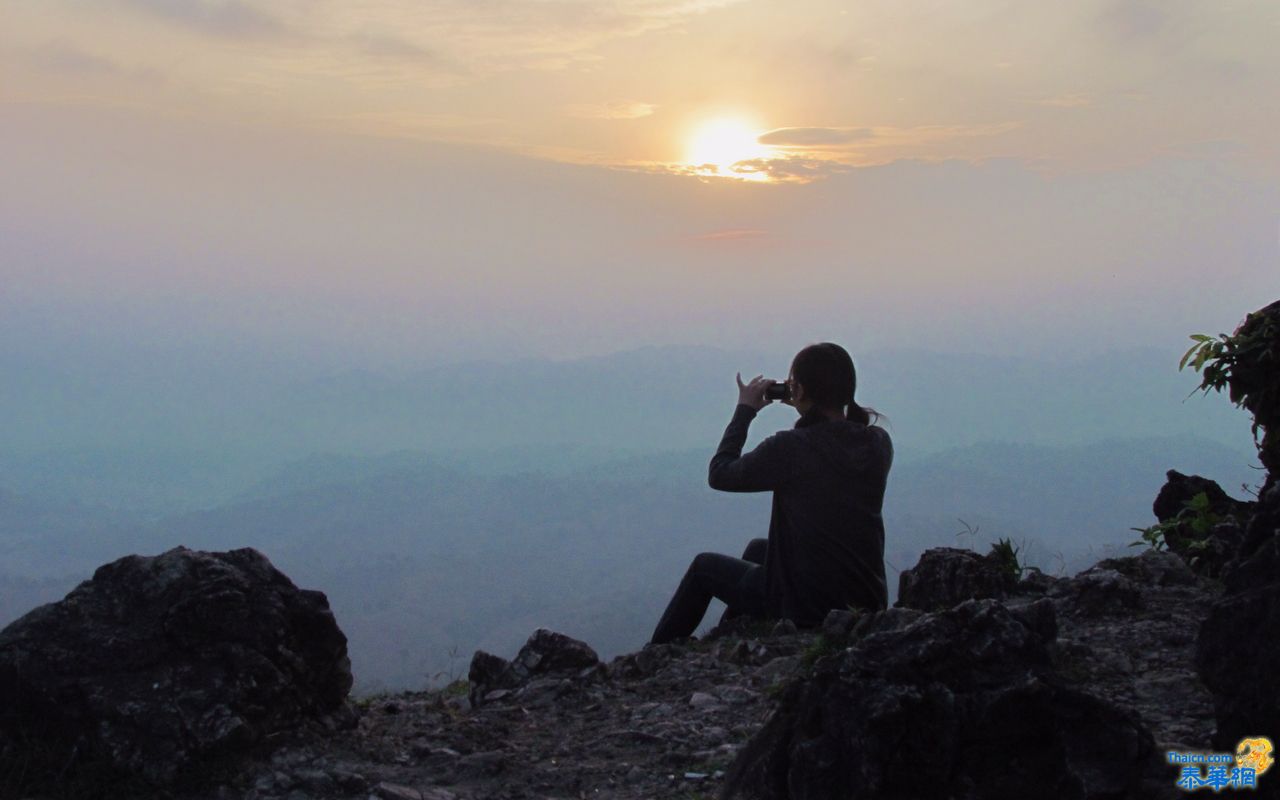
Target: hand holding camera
column 761, row 391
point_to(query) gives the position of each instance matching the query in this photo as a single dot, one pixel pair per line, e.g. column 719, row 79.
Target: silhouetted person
column 826, row 537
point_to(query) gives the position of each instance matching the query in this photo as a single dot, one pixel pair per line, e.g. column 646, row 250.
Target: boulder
column 1239, row 642
column 547, row 651
column 1098, row 591
column 960, row 704
column 1152, row 568
column 544, row 652
column 489, row 673
column 1209, row 550
column 945, row 576
column 1036, row 581
column 1178, row 490
column 158, row 662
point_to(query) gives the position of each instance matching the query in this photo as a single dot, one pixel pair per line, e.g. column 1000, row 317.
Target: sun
column 721, row 143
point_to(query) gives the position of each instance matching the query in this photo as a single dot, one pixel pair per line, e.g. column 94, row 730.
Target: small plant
column 367, row 701
column 459, row 688
column 824, row 644
column 1005, row 554
column 1062, row 564
column 970, row 531
column 1154, row 535
column 775, row 690
column 451, row 675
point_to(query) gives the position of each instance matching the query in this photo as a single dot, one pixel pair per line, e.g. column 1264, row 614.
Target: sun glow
column 716, row 146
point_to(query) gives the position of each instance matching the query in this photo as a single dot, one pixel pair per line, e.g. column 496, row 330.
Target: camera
column 777, row 391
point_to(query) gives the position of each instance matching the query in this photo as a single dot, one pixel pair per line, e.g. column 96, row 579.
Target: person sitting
column 825, row 546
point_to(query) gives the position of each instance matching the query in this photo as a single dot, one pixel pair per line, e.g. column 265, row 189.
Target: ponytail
column 861, row 414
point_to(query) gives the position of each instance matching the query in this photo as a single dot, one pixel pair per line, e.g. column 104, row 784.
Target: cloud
column 820, row 138
column 229, row 18
column 729, row 240
column 814, row 137
column 62, row 58
column 732, row 235
column 65, row 58
column 1133, row 19
column 393, row 47
column 621, row 109
column 792, row 169
column 498, row 35
column 1073, row 100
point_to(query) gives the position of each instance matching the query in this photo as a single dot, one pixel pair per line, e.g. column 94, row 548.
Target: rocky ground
column 666, row 721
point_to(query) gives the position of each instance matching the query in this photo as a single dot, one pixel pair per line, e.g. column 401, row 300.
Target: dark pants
column 739, row 582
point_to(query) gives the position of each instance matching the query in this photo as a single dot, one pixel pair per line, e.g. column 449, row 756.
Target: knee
column 756, row 550
column 701, row 562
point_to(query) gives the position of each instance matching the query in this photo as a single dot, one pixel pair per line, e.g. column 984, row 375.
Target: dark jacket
column 826, row 536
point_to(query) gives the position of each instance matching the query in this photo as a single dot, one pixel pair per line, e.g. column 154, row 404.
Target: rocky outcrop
column 945, row 576
column 1060, row 687
column 158, row 663
column 1236, row 645
column 962, row 703
column 1239, row 643
column 990, row 692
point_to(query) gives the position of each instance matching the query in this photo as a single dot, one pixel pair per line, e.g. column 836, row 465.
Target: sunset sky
column 402, row 181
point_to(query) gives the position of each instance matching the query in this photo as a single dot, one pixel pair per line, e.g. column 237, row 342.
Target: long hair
column 827, row 374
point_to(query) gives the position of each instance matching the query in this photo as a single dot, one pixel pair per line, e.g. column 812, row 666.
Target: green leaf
column 1186, row 356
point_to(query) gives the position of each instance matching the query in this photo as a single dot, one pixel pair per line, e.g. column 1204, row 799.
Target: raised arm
column 761, row 470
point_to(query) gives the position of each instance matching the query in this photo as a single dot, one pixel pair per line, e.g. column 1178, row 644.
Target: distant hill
column 161, row 437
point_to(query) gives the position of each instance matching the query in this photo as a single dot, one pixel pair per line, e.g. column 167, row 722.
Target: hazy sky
column 405, row 180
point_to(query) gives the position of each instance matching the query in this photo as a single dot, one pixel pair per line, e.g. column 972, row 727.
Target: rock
column 779, row 667
column 485, row 763
column 701, row 699
column 973, row 688
column 1239, row 642
column 649, row 659
column 1039, row 617
column 890, row 619
column 1179, row 489
column 543, row 691
column 1098, row 591
column 945, row 576
column 1034, row 581
column 546, row 651
column 1153, row 568
column 737, row 695
column 315, row 780
column 488, row 675
column 839, row 622
column 784, row 627
column 394, row 791
column 158, row 662
column 350, row 781
column 1207, row 552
